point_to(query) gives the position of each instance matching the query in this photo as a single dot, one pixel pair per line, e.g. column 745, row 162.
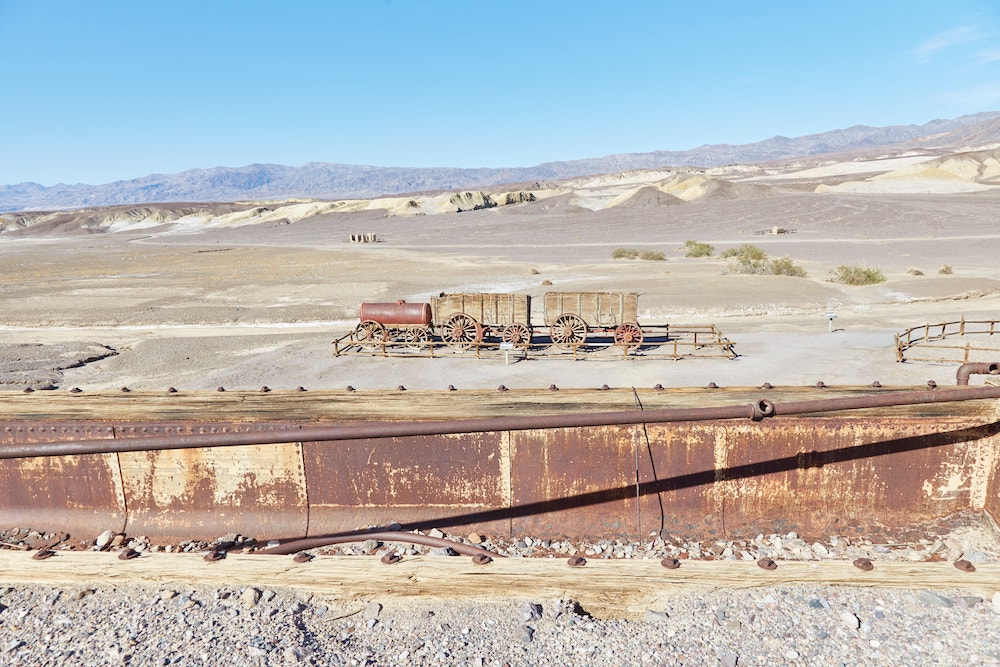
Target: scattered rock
column 372, row 610
column 729, row 660
column 104, row 539
column 531, row 611
column 934, row 600
column 250, row 597
column 850, row 621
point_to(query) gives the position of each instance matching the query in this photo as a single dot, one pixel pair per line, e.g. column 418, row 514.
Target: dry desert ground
column 199, row 306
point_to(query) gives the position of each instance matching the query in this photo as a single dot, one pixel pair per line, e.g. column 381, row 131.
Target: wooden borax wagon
column 572, row 316
column 464, row 320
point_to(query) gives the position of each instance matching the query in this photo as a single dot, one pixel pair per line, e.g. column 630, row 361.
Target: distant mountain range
column 320, row 180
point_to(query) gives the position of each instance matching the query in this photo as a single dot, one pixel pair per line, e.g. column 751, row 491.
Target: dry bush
column 786, row 267
column 945, row 270
column 695, row 249
column 914, row 271
column 624, row 253
column 652, row 256
column 856, row 274
column 750, row 260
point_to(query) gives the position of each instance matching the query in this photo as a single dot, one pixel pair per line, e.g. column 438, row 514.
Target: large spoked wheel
column 461, row 331
column 628, row 336
column 569, row 331
column 517, row 333
column 371, row 334
column 416, row 337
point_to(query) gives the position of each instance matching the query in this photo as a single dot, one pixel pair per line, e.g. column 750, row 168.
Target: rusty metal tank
column 398, row 313
column 577, row 463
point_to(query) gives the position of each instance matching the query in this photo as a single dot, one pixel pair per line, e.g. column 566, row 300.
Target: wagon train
column 462, row 321
column 571, row 323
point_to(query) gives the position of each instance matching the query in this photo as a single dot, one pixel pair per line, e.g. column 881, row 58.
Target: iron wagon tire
column 371, row 334
column 519, row 334
column 568, row 331
column 629, row 336
column 416, row 337
column 461, row 331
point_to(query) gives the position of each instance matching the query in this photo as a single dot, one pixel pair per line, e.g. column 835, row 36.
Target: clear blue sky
column 96, row 91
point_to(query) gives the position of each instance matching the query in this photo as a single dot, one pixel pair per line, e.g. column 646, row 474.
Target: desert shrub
column 533, row 272
column 624, row 253
column 945, row 270
column 856, row 275
column 786, row 267
column 631, row 253
column 696, row 249
column 749, row 260
column 913, row 271
column 546, row 282
column 745, row 253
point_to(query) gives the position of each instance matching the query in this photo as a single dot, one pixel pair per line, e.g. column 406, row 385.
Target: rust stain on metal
column 573, row 481
column 711, row 473
column 81, row 494
column 404, row 480
column 258, row 489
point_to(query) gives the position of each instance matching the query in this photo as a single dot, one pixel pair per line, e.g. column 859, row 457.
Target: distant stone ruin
column 774, row 231
column 364, row 238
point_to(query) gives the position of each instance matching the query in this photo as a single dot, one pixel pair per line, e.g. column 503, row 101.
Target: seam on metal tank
column 120, row 484
column 506, row 483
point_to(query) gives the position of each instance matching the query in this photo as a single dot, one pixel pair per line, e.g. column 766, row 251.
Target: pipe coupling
column 761, row 409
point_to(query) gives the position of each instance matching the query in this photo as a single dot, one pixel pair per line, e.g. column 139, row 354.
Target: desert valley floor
column 199, row 306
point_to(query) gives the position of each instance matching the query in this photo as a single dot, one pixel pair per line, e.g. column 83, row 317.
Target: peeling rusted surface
column 410, row 481
column 252, row 490
column 80, row 494
column 817, row 472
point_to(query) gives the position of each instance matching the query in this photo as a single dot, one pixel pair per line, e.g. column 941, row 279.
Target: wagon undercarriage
column 650, row 342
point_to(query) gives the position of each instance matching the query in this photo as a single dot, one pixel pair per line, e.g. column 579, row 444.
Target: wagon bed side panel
column 597, row 309
column 488, row 309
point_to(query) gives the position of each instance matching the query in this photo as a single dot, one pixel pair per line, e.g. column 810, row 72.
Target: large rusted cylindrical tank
column 400, row 312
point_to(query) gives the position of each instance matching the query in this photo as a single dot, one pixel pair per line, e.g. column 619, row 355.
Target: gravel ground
column 801, row 625
column 260, row 626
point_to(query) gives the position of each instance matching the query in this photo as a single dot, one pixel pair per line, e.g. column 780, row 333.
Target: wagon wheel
column 628, row 336
column 416, row 337
column 460, row 331
column 517, row 333
column 568, row 331
column 371, row 334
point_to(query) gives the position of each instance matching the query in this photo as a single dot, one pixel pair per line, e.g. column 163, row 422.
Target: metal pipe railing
column 969, row 369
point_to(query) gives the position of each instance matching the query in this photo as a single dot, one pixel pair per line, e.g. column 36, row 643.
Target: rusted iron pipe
column 889, row 399
column 384, row 536
column 395, row 429
column 972, row 368
column 384, row 429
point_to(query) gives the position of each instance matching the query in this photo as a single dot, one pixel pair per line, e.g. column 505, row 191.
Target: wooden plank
column 334, row 404
column 489, row 309
column 597, row 309
column 605, row 588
